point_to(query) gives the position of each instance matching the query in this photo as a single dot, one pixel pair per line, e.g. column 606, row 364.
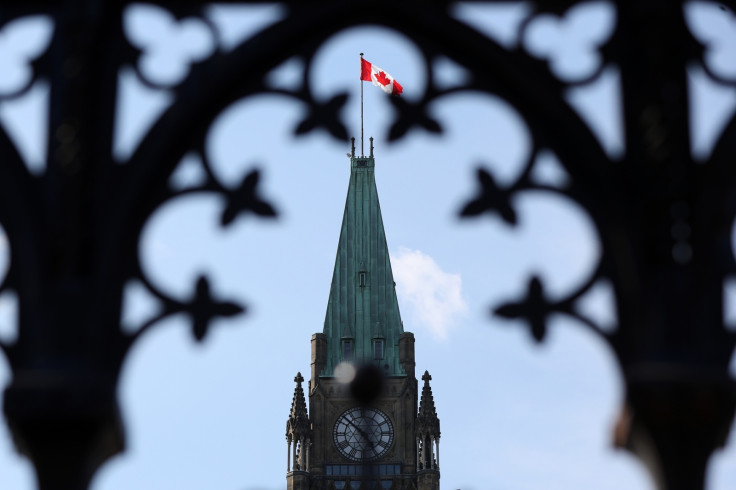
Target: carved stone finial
column 297, row 426
column 427, row 421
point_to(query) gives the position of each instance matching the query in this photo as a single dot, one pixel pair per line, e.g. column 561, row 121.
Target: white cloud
column 433, row 296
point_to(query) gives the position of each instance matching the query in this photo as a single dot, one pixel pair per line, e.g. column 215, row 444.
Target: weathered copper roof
column 363, row 310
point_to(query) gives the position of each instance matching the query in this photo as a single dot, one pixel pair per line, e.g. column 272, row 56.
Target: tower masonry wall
column 330, row 398
column 406, row 353
column 319, row 357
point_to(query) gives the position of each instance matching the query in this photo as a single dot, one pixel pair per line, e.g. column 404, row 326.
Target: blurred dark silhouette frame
column 663, row 220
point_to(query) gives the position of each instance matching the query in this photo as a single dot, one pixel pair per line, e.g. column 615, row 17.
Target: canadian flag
column 371, row 73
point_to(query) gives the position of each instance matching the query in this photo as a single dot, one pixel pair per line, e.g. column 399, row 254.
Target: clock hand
column 363, row 434
column 372, row 443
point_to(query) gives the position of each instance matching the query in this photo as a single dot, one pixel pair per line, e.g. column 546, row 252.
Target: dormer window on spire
column 347, row 349
column 361, row 279
column 377, row 349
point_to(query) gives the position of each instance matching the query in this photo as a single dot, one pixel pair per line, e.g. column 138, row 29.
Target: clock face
column 363, row 434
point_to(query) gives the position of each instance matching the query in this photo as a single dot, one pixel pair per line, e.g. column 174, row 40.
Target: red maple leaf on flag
column 382, row 78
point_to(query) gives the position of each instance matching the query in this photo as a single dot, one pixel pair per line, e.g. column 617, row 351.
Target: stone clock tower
column 366, row 428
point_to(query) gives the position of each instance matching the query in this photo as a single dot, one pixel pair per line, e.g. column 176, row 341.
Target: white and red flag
column 371, row 73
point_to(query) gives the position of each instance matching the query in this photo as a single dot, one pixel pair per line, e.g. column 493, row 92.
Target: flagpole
column 361, row 106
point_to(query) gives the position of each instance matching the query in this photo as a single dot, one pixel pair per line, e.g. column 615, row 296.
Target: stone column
column 293, row 465
column 431, row 453
column 288, row 455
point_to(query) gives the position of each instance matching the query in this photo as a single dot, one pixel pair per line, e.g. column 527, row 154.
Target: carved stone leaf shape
column 22, row 41
column 245, row 198
column 325, row 115
column 491, row 198
column 534, row 309
column 567, row 43
column 168, row 46
column 204, row 309
column 410, row 115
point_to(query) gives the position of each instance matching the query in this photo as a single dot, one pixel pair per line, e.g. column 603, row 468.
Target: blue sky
column 514, row 415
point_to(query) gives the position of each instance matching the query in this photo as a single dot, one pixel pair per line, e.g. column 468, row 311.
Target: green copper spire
column 363, row 323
